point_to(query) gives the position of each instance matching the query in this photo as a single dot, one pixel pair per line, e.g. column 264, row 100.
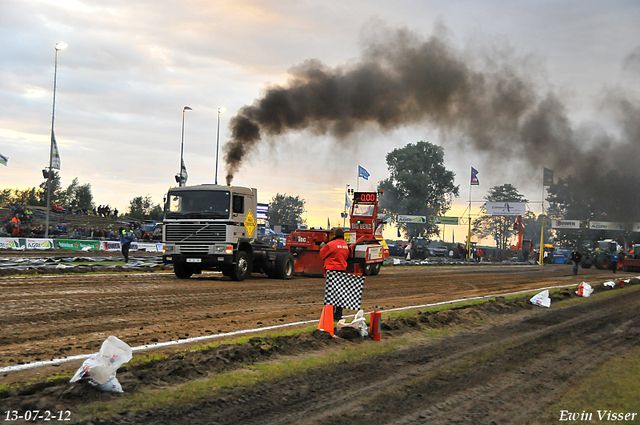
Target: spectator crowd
column 19, row 224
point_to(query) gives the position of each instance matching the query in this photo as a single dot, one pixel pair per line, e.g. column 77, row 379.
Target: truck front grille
column 194, row 249
column 195, row 233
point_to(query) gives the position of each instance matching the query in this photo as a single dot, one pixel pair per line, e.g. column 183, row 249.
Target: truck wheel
column 586, row 264
column 366, row 270
column 376, row 269
column 242, row 268
column 606, row 263
column 284, row 265
column 182, row 271
column 598, row 264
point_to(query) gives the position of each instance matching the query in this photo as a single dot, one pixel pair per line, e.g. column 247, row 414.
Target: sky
column 131, row 66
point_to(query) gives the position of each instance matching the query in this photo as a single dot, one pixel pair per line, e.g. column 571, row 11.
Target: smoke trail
column 402, row 79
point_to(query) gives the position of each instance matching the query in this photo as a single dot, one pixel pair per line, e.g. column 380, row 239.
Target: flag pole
column 469, row 232
column 541, row 254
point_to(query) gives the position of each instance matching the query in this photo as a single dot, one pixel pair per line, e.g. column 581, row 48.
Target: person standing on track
column 126, row 237
column 335, row 254
column 575, row 259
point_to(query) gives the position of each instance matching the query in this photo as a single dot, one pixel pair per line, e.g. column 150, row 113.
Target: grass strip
column 193, row 391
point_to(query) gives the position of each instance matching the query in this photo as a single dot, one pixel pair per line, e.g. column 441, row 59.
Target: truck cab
column 211, row 227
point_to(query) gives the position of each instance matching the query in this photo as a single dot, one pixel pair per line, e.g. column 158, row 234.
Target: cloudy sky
column 571, row 68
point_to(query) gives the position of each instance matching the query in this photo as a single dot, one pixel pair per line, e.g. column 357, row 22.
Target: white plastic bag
column 359, row 323
column 101, row 368
column 542, row 299
column 584, row 290
column 609, row 284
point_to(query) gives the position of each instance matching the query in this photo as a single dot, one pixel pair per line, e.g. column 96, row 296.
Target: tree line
column 420, row 184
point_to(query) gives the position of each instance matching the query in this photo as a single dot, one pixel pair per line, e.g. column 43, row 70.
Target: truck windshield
column 363, row 210
column 198, row 204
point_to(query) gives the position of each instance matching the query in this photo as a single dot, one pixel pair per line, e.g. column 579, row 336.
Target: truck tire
column 606, row 263
column 598, row 264
column 182, row 271
column 242, row 268
column 586, row 264
column 376, row 269
column 284, row 266
column 366, row 269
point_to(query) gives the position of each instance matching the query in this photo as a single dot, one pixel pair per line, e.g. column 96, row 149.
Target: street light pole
column 220, row 110
column 181, row 177
column 59, row 46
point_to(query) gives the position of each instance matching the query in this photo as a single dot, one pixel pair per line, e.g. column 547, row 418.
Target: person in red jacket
column 335, row 254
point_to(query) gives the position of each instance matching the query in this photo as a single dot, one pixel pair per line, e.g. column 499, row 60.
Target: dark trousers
column 575, row 267
column 614, row 266
column 125, row 251
column 337, row 313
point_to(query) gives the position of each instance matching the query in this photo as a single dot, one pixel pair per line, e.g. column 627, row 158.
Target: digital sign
column 359, row 197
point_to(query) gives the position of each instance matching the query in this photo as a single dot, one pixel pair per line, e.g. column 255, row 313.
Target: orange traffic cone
column 326, row 319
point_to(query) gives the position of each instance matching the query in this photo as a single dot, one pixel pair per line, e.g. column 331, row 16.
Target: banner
column 363, row 173
column 606, row 225
column 11, row 243
column 55, row 155
column 115, row 246
column 547, row 177
column 506, row 208
column 77, row 245
column 420, row 219
column 474, row 177
column 39, row 243
column 183, row 173
column 565, row 224
column 445, row 220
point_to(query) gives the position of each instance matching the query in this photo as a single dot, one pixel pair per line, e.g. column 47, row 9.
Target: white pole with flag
column 474, row 182
column 59, row 46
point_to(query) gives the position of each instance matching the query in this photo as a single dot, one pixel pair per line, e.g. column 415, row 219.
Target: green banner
column 445, row 220
column 77, row 244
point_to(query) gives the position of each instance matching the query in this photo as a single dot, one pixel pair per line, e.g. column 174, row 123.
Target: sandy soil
column 530, row 357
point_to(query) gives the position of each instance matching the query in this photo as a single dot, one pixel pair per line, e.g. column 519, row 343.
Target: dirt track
column 504, row 371
column 51, row 317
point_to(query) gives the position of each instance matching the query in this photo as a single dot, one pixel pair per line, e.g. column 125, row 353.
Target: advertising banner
column 412, row 219
column 446, row 220
column 39, row 243
column 115, row 246
column 606, row 225
column 77, row 244
column 149, row 247
column 565, row 224
column 11, row 243
column 506, row 208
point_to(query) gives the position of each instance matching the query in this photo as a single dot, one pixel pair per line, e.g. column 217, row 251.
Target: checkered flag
column 343, row 290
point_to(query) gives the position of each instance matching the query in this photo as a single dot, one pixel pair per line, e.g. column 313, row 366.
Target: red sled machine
column 367, row 247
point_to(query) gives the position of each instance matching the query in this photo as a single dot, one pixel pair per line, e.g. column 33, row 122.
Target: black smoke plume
column 490, row 105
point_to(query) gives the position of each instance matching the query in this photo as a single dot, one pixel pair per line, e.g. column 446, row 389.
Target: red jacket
column 335, row 255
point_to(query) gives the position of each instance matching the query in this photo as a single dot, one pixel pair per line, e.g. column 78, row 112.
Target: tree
column 144, row 209
column 56, row 190
column 285, row 210
column 417, row 185
column 499, row 226
column 608, row 197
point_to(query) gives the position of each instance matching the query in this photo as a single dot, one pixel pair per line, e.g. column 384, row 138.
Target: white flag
column 55, row 155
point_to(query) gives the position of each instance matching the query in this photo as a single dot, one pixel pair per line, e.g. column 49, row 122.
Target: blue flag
column 363, row 173
column 474, row 177
column 3, row 160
